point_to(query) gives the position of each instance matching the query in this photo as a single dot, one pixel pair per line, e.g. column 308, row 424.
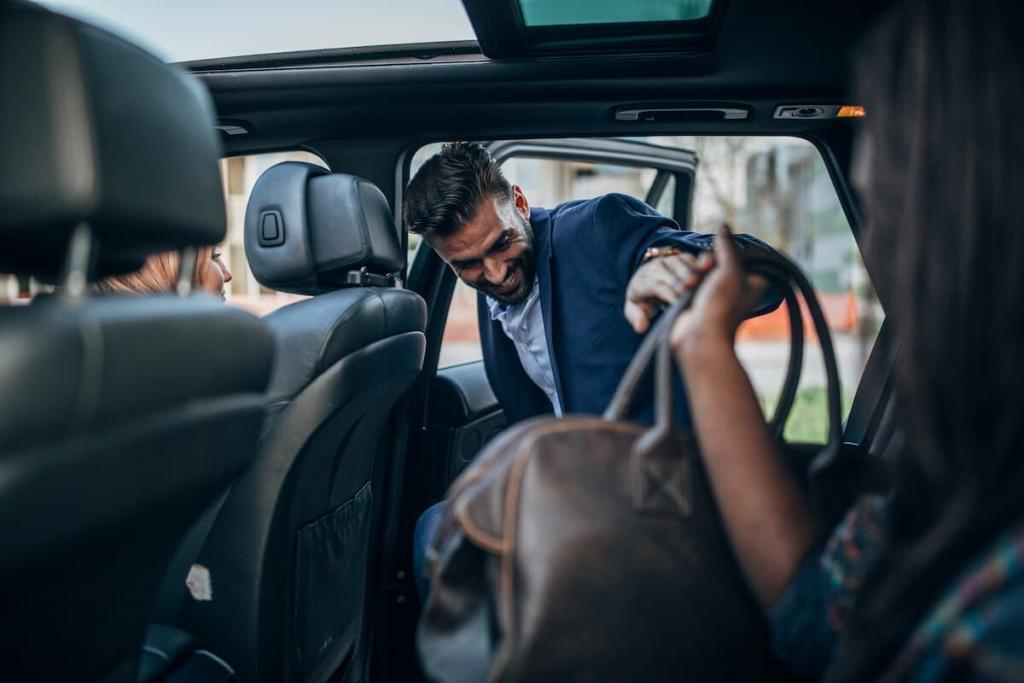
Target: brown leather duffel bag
column 589, row 549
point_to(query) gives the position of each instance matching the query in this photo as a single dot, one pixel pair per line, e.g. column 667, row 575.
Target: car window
column 665, row 203
column 779, row 190
column 195, row 29
column 461, row 343
column 545, row 182
column 574, row 12
column 239, row 175
column 776, row 189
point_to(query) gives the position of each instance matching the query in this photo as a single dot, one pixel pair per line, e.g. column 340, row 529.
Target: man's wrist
column 652, row 253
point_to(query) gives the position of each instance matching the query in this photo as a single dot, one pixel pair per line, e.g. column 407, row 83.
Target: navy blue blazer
column 586, row 253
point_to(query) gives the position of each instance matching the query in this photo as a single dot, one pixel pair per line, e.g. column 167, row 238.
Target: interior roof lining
column 791, row 52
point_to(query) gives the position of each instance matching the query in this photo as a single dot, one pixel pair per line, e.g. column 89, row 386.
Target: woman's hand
column 757, row 495
column 722, row 300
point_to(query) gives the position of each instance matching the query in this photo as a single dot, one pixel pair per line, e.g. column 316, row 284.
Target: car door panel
column 464, row 415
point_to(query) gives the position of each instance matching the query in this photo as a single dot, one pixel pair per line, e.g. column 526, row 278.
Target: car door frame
column 432, row 279
column 668, row 162
column 435, row 282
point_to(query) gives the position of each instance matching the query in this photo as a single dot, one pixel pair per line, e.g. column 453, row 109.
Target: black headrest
column 94, row 130
column 307, row 229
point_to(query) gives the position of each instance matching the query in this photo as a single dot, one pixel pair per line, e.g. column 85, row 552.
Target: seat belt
column 183, row 570
column 873, row 391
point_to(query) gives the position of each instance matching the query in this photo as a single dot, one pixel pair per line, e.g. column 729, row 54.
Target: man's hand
column 725, row 297
column 662, row 279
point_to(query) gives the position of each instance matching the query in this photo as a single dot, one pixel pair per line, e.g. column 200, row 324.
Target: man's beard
column 525, row 264
column 526, row 268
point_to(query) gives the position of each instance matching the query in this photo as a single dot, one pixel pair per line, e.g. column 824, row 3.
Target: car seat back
column 292, row 544
column 120, row 417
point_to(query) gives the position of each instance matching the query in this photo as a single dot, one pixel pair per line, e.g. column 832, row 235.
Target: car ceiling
column 763, row 54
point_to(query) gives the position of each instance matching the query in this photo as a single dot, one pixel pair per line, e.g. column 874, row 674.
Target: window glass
column 418, row 159
column 461, row 343
column 547, row 182
column 569, row 12
column 239, row 175
column 776, row 189
column 666, row 203
column 185, row 30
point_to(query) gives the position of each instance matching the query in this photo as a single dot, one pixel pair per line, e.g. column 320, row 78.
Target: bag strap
column 782, row 270
column 783, row 273
column 795, row 365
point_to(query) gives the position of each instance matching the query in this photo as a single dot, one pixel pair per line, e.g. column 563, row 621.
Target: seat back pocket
column 331, row 559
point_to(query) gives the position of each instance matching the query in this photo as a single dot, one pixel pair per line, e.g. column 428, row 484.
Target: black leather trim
column 250, row 547
column 202, row 667
column 89, row 523
column 84, row 116
column 67, row 367
column 460, row 394
column 332, row 223
column 282, row 191
column 312, row 335
column 164, row 647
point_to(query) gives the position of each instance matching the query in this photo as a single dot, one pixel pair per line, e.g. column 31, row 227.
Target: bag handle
column 777, row 425
column 780, row 271
column 623, row 397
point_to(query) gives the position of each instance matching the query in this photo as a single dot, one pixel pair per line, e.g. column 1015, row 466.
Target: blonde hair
column 158, row 275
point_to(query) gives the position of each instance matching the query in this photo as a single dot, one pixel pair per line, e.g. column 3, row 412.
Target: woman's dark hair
column 943, row 83
column 449, row 188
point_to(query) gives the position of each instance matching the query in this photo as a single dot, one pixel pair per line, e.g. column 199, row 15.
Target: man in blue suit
column 565, row 294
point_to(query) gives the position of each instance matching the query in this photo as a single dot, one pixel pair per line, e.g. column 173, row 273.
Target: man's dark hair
column 449, row 187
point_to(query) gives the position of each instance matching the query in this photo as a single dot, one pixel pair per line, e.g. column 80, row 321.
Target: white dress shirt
column 523, row 323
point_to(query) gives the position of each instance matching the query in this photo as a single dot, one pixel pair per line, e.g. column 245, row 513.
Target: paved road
column 766, row 364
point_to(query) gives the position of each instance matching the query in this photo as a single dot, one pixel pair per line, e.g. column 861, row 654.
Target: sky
column 182, row 30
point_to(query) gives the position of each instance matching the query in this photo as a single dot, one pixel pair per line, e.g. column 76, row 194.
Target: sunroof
column 576, row 12
column 187, row 30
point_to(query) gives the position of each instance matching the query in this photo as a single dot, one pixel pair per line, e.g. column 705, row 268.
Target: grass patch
column 808, row 420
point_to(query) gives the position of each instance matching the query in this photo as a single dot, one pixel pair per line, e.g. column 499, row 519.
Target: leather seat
column 293, row 542
column 121, row 418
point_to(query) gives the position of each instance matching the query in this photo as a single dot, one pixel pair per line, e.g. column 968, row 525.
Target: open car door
column 462, row 413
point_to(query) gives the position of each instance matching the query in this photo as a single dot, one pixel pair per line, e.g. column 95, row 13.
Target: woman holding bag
column 927, row 585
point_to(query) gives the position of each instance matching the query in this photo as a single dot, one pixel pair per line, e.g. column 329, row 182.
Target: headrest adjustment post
column 79, row 259
column 187, row 270
column 364, row 278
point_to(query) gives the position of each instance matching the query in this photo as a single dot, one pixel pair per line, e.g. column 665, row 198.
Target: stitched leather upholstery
column 90, row 366
column 306, row 229
column 121, row 417
column 290, row 550
column 313, row 335
column 97, row 131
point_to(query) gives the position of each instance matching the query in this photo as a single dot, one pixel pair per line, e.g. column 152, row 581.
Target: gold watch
column 658, row 252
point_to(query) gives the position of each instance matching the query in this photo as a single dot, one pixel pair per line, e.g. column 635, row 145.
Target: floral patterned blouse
column 975, row 632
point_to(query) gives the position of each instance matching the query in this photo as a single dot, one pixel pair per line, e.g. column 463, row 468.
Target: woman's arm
column 768, row 521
